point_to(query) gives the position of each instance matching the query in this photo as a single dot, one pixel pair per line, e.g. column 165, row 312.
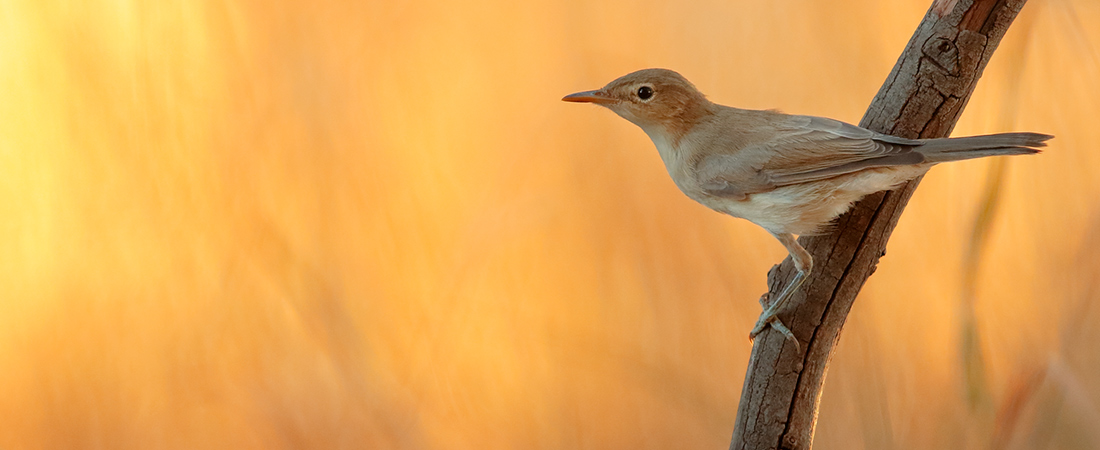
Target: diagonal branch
column 923, row 97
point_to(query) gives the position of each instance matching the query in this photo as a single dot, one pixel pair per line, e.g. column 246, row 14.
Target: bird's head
column 651, row 98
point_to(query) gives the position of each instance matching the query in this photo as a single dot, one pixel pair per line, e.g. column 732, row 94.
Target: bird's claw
column 773, row 320
column 768, row 317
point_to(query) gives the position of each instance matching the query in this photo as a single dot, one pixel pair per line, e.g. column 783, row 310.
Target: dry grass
column 373, row 225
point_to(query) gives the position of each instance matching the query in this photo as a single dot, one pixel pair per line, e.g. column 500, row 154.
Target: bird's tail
column 955, row 149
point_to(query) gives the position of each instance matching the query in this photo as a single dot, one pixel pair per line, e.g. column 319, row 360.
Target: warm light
column 375, row 225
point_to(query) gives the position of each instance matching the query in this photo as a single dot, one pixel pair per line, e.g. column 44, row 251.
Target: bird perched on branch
column 791, row 175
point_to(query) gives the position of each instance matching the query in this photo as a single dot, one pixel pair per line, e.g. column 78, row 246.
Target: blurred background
column 349, row 224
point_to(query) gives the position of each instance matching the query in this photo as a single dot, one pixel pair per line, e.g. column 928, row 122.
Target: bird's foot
column 770, row 311
column 769, row 317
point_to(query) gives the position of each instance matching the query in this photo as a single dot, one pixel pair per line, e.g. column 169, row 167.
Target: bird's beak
column 598, row 97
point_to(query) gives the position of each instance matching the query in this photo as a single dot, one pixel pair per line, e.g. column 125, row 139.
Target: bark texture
column 923, row 97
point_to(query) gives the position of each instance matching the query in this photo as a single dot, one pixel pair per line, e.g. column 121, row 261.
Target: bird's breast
column 679, row 161
column 677, row 157
column 678, row 167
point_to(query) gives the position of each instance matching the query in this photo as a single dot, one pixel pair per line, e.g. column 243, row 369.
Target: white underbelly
column 808, row 208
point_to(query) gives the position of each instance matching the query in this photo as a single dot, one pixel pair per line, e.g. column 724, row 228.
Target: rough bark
column 923, row 97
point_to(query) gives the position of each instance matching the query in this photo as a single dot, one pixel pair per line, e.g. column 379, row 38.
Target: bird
column 789, row 174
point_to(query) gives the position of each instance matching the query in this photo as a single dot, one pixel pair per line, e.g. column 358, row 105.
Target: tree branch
column 923, row 97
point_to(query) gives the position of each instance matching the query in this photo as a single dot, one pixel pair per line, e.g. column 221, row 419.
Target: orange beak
column 598, row 97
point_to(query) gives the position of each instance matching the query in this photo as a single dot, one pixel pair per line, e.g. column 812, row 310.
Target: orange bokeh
column 348, row 224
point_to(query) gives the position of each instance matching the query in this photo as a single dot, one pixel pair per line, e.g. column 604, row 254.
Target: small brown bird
column 792, row 175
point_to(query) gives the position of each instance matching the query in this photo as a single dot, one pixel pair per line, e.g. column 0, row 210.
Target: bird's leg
column 803, row 262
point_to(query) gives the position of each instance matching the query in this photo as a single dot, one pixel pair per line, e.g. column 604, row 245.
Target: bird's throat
column 666, row 144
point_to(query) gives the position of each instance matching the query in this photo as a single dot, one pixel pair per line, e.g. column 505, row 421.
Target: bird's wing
column 803, row 149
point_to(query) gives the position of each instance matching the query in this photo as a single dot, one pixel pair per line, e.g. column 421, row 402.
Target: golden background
column 348, row 224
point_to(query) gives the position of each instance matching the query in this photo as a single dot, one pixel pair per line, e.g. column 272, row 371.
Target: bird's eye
column 645, row 92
